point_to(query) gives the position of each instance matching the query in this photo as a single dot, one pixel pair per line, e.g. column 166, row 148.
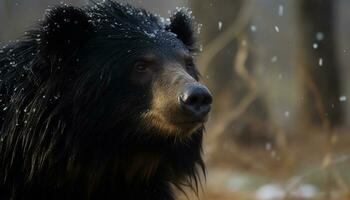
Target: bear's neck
column 148, row 166
column 132, row 172
column 170, row 159
column 143, row 166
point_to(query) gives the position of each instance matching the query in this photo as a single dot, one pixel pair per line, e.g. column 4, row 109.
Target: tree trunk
column 319, row 65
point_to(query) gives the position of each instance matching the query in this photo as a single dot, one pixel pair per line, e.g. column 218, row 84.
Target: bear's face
column 178, row 103
column 119, row 51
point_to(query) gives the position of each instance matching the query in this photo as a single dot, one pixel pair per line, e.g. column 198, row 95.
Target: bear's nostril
column 195, row 100
column 191, row 100
column 207, row 99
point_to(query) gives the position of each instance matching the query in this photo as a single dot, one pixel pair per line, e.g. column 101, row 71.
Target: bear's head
column 99, row 95
column 123, row 65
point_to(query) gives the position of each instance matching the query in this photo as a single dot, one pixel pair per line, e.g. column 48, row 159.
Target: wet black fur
column 70, row 121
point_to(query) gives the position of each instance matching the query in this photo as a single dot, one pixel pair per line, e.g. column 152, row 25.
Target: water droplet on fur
column 150, row 35
column 56, row 97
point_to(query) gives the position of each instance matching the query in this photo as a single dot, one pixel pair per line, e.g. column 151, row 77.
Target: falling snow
column 253, row 28
column 320, row 62
column 274, row 59
column 219, row 25
column 287, row 113
column 277, row 29
column 319, row 36
column 280, row 10
column 280, row 76
column 342, row 98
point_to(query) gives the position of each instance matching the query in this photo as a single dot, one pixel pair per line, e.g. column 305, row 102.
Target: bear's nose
column 195, row 101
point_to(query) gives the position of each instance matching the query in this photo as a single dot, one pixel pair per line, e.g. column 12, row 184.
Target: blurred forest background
column 279, row 72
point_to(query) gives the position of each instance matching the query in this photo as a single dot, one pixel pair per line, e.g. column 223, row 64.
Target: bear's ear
column 181, row 25
column 64, row 30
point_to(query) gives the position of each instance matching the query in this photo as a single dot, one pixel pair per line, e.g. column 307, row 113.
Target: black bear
column 101, row 102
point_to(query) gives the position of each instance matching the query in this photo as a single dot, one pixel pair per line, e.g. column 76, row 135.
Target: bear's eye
column 141, row 67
